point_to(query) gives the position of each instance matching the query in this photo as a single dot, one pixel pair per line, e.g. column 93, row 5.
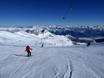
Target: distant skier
column 42, row 45
column 28, row 50
column 43, row 31
column 88, row 44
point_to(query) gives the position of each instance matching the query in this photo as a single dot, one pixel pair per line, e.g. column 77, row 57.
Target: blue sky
column 43, row 12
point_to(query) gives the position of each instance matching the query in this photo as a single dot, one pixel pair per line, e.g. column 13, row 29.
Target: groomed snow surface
column 49, row 61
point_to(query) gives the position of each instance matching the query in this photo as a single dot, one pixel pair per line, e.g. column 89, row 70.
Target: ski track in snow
column 71, row 62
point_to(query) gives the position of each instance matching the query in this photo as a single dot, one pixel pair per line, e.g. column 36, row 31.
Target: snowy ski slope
column 70, row 62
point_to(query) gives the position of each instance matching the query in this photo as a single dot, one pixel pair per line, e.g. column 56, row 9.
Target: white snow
column 69, row 62
column 48, row 62
column 23, row 38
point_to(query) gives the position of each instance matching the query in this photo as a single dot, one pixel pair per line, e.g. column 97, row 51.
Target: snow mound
column 55, row 40
column 24, row 38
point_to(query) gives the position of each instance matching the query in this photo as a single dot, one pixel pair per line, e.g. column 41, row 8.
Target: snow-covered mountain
column 53, row 35
column 32, row 37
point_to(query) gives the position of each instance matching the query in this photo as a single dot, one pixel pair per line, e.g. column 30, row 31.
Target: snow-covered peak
column 23, row 38
column 46, row 34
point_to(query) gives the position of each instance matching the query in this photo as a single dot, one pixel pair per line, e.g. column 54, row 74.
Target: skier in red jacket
column 28, row 50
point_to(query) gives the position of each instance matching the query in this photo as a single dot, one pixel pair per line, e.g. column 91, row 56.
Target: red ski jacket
column 28, row 48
